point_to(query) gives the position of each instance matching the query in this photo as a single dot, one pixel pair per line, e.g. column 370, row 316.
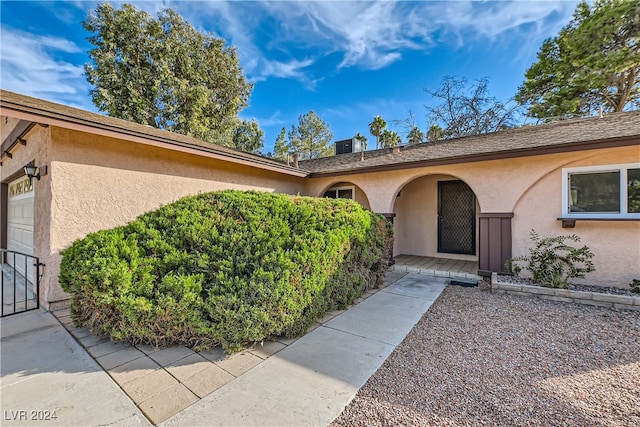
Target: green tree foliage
column 376, row 127
column 594, row 62
column 468, row 110
column 311, row 138
column 436, row 133
column 228, row 268
column 248, row 137
column 415, row 136
column 389, row 138
column 164, row 73
column 281, row 147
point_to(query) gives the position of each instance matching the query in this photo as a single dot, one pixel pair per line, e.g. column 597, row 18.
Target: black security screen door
column 456, row 218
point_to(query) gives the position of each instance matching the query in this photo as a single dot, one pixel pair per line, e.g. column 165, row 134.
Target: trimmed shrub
column 553, row 262
column 228, row 268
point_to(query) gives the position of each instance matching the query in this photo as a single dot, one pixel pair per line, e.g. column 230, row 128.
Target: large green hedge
column 227, row 268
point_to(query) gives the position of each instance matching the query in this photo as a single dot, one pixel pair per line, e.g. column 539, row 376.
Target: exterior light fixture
column 33, row 171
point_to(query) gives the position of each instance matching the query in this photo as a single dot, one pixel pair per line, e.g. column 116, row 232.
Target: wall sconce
column 30, row 170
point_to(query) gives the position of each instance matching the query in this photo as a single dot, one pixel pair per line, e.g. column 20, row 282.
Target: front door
column 456, row 218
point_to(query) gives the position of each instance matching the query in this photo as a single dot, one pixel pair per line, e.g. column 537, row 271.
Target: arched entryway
column 436, row 216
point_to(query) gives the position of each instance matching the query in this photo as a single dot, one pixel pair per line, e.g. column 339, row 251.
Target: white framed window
column 345, row 192
column 608, row 191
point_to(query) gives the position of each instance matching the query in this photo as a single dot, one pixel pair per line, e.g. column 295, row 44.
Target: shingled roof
column 50, row 112
column 616, row 129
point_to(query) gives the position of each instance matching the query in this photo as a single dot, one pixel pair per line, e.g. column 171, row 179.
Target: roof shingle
column 612, row 127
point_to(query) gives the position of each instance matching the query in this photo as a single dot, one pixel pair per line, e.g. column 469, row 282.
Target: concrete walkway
column 48, row 379
column 308, row 381
column 312, row 380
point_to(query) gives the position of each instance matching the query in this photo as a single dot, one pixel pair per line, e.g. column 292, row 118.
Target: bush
column 227, row 268
column 552, row 262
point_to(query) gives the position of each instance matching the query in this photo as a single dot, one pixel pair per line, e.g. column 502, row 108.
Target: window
column 601, row 192
column 340, row 193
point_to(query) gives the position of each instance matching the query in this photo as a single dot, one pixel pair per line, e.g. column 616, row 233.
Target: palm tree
column 415, row 136
column 376, row 127
column 389, row 138
column 435, row 133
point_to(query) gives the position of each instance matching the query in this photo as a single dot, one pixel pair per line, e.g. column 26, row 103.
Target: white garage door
column 20, row 223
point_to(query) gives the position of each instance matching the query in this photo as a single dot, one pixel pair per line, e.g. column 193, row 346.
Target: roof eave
column 496, row 155
column 47, row 117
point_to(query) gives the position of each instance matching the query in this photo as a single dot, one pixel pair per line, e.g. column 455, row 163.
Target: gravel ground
column 575, row 286
column 477, row 358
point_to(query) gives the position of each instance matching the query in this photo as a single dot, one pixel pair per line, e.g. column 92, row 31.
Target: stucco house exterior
column 474, row 198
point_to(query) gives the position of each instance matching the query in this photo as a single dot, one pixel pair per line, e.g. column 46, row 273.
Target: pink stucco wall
column 530, row 187
column 96, row 182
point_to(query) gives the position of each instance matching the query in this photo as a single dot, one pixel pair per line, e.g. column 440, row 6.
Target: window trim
column 342, row 187
column 622, row 168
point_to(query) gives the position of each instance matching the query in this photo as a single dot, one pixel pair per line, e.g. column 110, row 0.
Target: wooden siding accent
column 495, row 241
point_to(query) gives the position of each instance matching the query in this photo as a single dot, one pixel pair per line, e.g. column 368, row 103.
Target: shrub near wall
column 227, row 268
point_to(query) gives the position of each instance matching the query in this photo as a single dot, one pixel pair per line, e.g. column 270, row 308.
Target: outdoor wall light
column 33, row 171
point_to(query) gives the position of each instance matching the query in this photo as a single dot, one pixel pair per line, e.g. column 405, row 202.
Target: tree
column 410, row 130
column 415, row 136
column 468, row 111
column 435, row 133
column 376, row 127
column 248, row 137
column 594, row 62
column 311, row 138
column 281, row 147
column 389, row 138
column 164, row 73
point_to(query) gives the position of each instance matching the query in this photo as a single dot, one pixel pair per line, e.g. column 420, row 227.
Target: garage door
column 20, row 223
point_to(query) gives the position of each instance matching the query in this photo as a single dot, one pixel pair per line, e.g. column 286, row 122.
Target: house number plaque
column 20, row 187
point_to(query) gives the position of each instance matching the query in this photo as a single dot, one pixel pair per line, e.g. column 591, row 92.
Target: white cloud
column 494, row 19
column 363, row 34
column 274, row 120
column 28, row 67
column 368, row 35
column 292, row 69
column 239, row 27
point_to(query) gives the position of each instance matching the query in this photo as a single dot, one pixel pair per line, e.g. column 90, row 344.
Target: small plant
column 635, row 286
column 552, row 261
column 511, row 268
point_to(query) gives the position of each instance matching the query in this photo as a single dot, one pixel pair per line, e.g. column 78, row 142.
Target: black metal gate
column 456, row 218
column 20, row 282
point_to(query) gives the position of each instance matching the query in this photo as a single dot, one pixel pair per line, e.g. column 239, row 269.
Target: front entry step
column 437, row 273
column 439, row 267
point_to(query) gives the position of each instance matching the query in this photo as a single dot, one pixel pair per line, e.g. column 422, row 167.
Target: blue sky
column 346, row 60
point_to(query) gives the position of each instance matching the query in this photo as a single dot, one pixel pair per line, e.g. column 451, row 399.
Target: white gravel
column 477, row 358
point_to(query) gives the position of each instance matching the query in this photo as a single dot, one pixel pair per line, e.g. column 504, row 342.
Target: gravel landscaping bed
column 477, row 358
column 574, row 286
